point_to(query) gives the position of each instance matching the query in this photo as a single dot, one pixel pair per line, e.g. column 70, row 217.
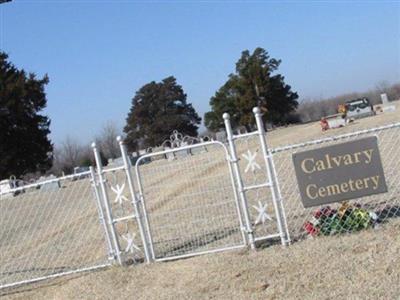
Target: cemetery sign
column 340, row 172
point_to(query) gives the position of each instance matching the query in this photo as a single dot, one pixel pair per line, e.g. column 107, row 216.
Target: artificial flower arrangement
column 348, row 218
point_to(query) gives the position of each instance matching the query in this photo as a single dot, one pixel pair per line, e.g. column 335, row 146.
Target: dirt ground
column 357, row 266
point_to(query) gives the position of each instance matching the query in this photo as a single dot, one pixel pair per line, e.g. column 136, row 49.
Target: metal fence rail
column 348, row 216
column 49, row 229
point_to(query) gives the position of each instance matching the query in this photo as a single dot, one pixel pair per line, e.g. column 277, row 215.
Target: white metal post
column 101, row 212
column 142, row 201
column 110, row 222
column 239, row 182
column 276, row 197
column 128, row 166
column 280, row 202
column 235, row 194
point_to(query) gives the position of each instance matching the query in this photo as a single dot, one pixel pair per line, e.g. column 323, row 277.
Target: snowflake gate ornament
column 131, row 246
column 251, row 161
column 263, row 216
column 119, row 190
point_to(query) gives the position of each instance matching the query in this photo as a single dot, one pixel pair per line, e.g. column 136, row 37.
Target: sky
column 98, row 53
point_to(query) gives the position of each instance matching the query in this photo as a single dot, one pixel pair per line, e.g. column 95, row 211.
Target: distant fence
column 181, row 202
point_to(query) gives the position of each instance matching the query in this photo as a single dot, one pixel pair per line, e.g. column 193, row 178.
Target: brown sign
column 340, row 172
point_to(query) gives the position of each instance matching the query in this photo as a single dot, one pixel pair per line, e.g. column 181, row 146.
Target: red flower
column 310, row 228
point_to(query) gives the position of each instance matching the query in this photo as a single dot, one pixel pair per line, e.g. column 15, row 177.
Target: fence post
column 239, row 182
column 272, row 178
column 127, row 167
column 110, row 222
column 141, row 196
column 101, row 212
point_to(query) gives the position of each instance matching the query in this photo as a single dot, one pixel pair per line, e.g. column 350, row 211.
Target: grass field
column 362, row 265
column 365, row 265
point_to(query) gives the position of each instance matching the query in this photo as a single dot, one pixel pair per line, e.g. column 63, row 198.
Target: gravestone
column 384, row 99
column 170, row 155
column 182, row 153
column 198, row 150
column 49, row 186
column 157, row 157
column 221, row 136
column 241, row 130
column 116, row 162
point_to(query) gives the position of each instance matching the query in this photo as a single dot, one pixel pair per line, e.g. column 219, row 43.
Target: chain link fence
column 347, row 216
column 49, row 229
column 181, row 202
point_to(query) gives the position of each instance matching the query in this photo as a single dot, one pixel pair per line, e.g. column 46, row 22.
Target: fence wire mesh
column 49, row 228
column 348, row 216
column 190, row 202
column 254, row 172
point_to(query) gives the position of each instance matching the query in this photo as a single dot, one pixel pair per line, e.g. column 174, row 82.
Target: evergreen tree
column 253, row 84
column 157, row 109
column 24, row 143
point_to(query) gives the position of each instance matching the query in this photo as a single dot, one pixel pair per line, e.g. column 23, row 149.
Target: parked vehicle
column 359, row 108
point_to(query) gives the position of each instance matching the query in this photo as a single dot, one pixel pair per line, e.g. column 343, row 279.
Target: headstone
column 49, row 186
column 384, row 99
column 241, row 130
column 5, row 188
column 221, row 136
column 198, row 150
column 158, row 157
column 170, row 155
column 181, row 153
column 269, row 126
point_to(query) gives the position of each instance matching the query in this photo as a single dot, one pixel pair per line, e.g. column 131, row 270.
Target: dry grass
column 363, row 265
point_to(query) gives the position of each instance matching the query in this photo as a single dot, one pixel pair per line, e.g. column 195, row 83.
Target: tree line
column 157, row 108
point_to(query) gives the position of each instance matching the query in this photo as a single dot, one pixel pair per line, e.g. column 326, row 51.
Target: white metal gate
column 120, row 211
column 190, row 201
column 257, row 183
column 204, row 198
